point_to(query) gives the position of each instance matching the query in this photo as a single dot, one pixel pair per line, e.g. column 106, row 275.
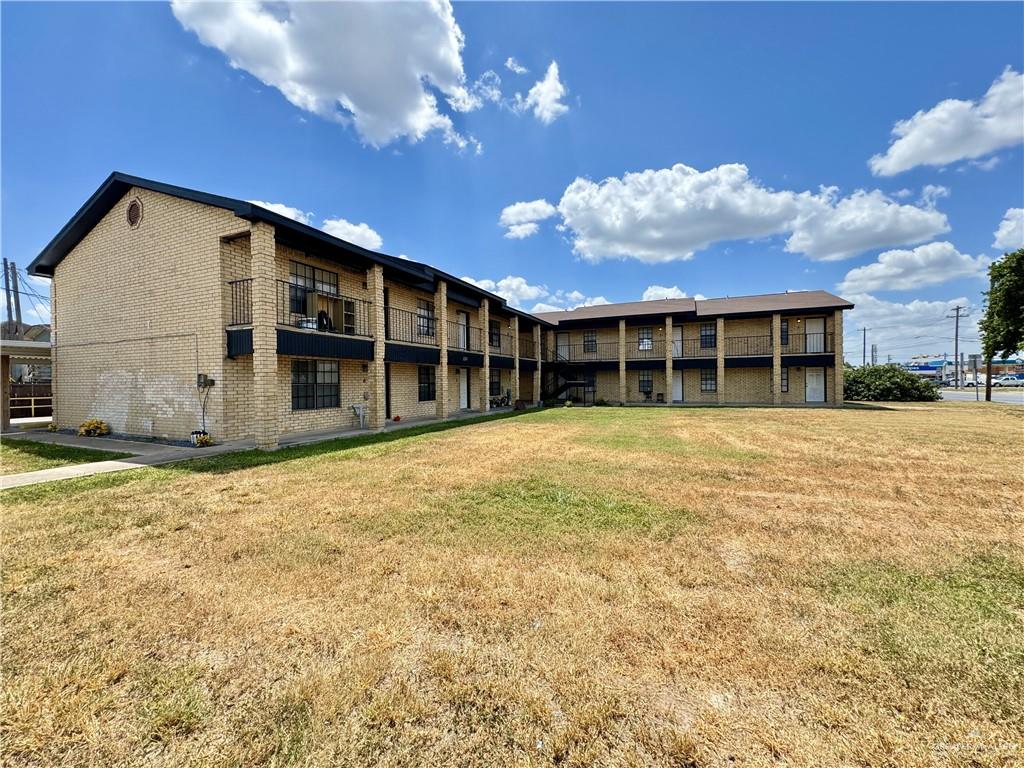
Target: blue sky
column 678, row 145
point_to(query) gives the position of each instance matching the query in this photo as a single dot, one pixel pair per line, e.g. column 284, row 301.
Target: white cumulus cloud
column 281, row 209
column 905, row 329
column 955, row 129
column 544, row 99
column 338, row 60
column 514, row 66
column 669, row 214
column 360, row 234
column 655, row 292
column 514, row 289
column 1010, row 235
column 520, row 219
column 830, row 229
column 902, row 270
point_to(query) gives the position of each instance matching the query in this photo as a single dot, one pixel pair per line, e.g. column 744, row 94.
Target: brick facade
column 144, row 309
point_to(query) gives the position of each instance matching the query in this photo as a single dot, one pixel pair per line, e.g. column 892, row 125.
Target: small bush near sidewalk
column 93, row 428
column 887, row 383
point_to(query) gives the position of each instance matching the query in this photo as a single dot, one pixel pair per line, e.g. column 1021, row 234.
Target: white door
column 677, row 344
column 815, row 330
column 814, row 385
column 562, row 345
column 462, row 338
column 677, row 386
column 463, row 388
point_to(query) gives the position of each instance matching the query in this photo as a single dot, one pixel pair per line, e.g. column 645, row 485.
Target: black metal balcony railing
column 500, row 344
column 527, row 348
column 807, row 344
column 580, row 353
column 320, row 310
column 409, row 327
column 462, row 336
column 241, row 301
column 694, row 348
column 645, row 349
column 748, row 346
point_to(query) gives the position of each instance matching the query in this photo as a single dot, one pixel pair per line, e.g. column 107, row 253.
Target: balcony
column 645, row 349
column 527, row 348
column 465, row 337
column 241, row 302
column 586, row 352
column 705, row 347
column 319, row 310
column 807, row 344
column 409, row 327
column 500, row 344
column 748, row 346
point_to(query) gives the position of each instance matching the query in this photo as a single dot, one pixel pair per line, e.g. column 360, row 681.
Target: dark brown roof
column 735, row 305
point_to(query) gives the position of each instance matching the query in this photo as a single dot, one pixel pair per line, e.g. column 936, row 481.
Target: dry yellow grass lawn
column 577, row 587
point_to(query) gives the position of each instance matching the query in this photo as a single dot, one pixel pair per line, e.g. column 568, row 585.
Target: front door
column 677, row 386
column 814, row 385
column 677, row 344
column 815, row 335
column 462, row 339
column 464, row 388
column 562, row 346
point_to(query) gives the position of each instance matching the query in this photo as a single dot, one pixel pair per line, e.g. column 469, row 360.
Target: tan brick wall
column 748, row 385
column 353, row 383
column 691, row 388
column 633, row 387
column 748, row 326
column 526, row 392
column 405, row 390
column 607, row 386
column 138, row 307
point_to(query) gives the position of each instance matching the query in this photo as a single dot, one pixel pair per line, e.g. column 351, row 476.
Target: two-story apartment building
column 175, row 310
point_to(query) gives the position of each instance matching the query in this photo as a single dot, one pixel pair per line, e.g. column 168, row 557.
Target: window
column 348, row 315
column 646, row 382
column 428, row 383
column 708, row 380
column 645, row 339
column 784, row 335
column 305, row 278
column 315, row 384
column 785, row 379
column 425, row 318
column 590, row 341
column 327, row 389
column 708, row 336
column 495, row 382
column 494, row 333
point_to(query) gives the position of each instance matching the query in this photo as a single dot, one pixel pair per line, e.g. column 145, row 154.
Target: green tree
column 1002, row 326
column 888, row 383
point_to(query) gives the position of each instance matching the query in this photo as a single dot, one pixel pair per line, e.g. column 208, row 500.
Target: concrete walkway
column 153, row 454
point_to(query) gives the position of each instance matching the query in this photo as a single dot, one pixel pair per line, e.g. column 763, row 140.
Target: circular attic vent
column 134, row 213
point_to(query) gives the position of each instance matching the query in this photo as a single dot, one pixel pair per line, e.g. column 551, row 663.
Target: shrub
column 568, row 403
column 52, row 427
column 551, row 402
column 601, row 401
column 203, row 440
column 93, row 428
column 889, row 383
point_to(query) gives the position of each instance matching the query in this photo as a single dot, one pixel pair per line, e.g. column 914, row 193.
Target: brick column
column 485, row 343
column 377, row 407
column 515, row 357
column 776, row 358
column 840, row 373
column 537, row 375
column 264, row 334
column 441, row 318
column 622, row 361
column 720, row 358
column 668, row 358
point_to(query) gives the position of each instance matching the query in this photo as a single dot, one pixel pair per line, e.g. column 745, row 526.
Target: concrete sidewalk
column 153, row 454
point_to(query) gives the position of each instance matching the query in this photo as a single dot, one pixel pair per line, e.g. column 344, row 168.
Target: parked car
column 1009, row 380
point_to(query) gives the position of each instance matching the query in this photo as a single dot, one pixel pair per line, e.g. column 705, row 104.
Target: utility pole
column 7, row 291
column 988, row 358
column 864, row 349
column 17, row 298
column 957, row 313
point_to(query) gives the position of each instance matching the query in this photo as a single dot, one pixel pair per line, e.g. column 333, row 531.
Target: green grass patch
column 957, row 635
column 18, row 456
column 532, row 509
